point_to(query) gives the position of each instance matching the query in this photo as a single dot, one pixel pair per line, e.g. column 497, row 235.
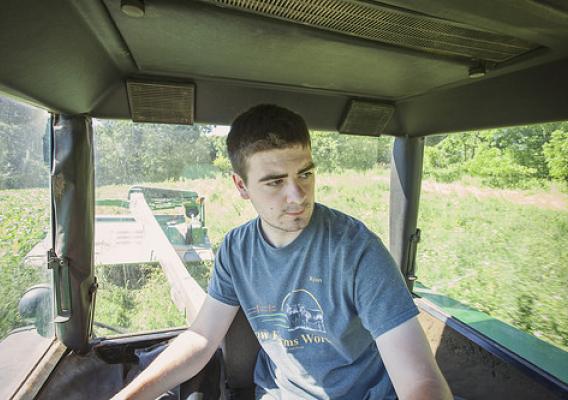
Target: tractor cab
column 109, row 152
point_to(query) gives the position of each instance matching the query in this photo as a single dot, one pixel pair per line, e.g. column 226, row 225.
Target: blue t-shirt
column 316, row 306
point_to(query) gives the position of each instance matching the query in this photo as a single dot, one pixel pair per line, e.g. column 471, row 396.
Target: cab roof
column 411, row 68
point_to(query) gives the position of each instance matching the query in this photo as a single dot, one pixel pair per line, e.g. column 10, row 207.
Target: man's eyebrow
column 267, row 178
column 311, row 165
column 272, row 177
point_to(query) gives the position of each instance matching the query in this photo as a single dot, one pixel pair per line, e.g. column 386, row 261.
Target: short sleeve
column 221, row 285
column 381, row 297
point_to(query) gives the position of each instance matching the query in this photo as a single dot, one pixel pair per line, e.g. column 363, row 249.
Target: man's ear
column 241, row 186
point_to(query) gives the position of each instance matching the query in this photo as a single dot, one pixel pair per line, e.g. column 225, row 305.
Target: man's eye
column 306, row 175
column 276, row 182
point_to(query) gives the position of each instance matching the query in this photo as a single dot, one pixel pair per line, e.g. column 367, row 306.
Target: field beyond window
column 24, row 219
column 494, row 217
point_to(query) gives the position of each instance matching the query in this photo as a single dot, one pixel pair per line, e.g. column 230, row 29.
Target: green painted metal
column 538, row 352
column 112, row 203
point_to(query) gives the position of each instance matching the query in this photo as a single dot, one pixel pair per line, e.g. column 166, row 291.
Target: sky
column 220, row 130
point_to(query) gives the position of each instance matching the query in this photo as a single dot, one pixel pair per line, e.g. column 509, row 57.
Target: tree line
column 128, row 153
column 515, row 157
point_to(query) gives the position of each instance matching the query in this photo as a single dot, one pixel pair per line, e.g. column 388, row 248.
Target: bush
column 335, row 152
column 497, row 168
column 223, row 164
column 449, row 174
column 556, row 154
column 433, row 158
column 325, row 151
column 437, row 166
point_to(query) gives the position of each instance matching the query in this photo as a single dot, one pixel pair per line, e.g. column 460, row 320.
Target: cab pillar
column 71, row 257
column 405, row 182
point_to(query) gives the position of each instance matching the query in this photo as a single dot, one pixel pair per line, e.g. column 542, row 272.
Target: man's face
column 280, row 185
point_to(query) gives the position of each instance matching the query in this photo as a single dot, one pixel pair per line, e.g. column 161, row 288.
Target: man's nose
column 295, row 193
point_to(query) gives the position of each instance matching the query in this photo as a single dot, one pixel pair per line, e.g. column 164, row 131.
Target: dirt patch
column 557, row 201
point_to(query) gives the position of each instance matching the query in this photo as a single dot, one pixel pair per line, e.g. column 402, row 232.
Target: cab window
column 494, row 217
column 24, row 212
column 183, row 174
column 134, row 293
column 26, row 327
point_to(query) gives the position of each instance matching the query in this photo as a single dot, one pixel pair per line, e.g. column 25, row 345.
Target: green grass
column 502, row 252
column 23, row 221
column 134, row 298
column 502, row 258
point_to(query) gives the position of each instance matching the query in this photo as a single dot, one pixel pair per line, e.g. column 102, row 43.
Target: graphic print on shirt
column 297, row 321
column 303, row 311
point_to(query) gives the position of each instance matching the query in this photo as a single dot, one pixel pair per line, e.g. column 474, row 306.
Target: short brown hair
column 264, row 127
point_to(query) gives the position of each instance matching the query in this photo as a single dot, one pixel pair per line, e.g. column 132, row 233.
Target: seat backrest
column 240, row 350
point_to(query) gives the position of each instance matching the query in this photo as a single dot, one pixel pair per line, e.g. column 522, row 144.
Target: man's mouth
column 296, row 211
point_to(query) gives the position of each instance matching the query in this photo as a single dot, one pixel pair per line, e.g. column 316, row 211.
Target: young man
column 321, row 292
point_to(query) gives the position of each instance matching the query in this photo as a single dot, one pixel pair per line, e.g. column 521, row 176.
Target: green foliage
column 556, row 153
column 23, row 219
column 15, row 278
column 461, row 148
column 21, row 153
column 135, row 153
column 199, row 171
column 500, row 257
column 134, row 298
column 325, row 150
column 220, row 155
column 335, row 152
column 525, row 146
column 223, row 164
column 514, row 157
column 498, row 168
column 436, row 166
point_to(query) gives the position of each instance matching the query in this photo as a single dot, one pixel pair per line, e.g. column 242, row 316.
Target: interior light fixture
column 477, row 71
column 133, row 8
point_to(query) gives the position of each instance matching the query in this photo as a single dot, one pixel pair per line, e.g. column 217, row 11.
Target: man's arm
column 410, row 364
column 185, row 356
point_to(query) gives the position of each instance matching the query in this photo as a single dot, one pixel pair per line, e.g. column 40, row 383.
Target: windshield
column 183, row 175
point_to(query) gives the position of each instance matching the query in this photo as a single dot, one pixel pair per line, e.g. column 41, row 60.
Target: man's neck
column 277, row 237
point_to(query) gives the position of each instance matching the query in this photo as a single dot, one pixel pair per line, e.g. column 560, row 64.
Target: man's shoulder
column 338, row 220
column 343, row 229
column 242, row 231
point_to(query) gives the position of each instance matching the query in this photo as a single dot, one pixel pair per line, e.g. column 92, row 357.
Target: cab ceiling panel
column 51, row 57
column 203, row 40
column 542, row 22
column 389, row 25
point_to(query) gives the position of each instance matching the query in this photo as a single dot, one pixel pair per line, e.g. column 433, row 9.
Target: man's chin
column 294, row 225
column 301, row 221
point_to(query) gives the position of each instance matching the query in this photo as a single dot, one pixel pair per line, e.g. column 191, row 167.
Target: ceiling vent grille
column 168, row 103
column 387, row 25
column 366, row 118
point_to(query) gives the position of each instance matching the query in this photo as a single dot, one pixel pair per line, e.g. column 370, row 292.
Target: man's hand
column 410, row 364
column 185, row 356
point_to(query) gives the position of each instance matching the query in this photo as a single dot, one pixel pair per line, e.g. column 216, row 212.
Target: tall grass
column 23, row 222
column 506, row 259
column 133, row 298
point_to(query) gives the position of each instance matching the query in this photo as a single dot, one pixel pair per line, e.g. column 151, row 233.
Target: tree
column 525, row 144
column 504, row 157
column 325, row 150
column 556, row 155
column 134, row 153
column 498, row 168
column 333, row 151
column 21, row 154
